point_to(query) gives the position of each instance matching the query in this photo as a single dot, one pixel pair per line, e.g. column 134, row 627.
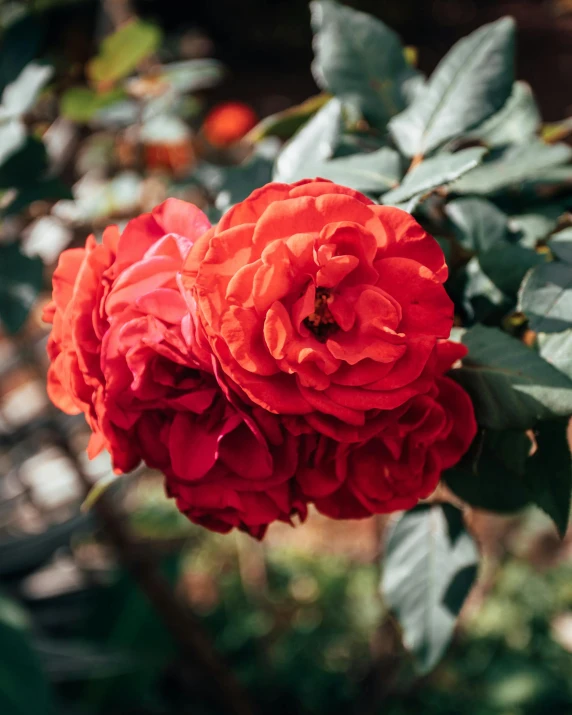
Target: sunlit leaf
column 433, row 173
column 515, row 123
column 512, row 167
column 556, row 349
column 472, row 82
column 285, row 124
column 20, row 95
column 546, row 297
column 429, row 568
column 121, row 52
column 374, row 173
column 81, row 104
column 313, row 143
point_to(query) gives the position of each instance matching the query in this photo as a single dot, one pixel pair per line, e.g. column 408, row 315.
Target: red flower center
column 321, row 322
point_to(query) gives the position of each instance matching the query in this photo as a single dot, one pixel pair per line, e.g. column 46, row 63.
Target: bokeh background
column 84, row 624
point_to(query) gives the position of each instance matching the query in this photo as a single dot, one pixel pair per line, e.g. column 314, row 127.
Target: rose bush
column 121, row 351
column 319, row 304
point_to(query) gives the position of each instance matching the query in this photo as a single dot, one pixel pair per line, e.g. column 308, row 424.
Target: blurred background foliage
column 102, row 116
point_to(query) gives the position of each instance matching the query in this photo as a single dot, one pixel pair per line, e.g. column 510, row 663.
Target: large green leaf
column 537, row 223
column 361, row 60
column 473, row 81
column 512, row 167
column 374, row 173
column 548, row 473
column 24, row 689
column 561, row 245
column 510, row 385
column 429, row 568
column 491, row 475
column 313, row 143
column 432, row 173
column 556, row 349
column 478, row 223
column 121, row 52
column 20, row 283
column 517, row 121
column 507, row 263
column 500, row 474
column 546, row 297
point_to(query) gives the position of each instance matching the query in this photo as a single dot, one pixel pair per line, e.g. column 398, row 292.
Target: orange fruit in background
column 228, row 122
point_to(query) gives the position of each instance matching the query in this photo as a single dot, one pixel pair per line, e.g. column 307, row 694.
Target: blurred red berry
column 228, row 122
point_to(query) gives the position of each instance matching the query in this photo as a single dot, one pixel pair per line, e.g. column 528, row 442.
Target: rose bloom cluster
column 293, row 354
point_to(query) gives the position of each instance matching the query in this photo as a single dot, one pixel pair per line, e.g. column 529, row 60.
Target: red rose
column 123, row 352
column 399, row 459
column 318, row 303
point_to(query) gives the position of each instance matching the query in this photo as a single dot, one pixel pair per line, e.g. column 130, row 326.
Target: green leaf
column 20, row 95
column 517, row 121
column 192, row 75
column 561, row 245
column 81, row 104
column 507, row 263
column 372, row 173
column 510, row 385
column 240, row 181
column 360, row 60
column 556, row 349
column 545, row 297
column 24, row 689
column 478, row 223
column 66, row 661
column 512, row 167
column 481, row 298
column 28, row 163
column 12, row 139
column 121, row 52
column 285, row 124
column 536, row 224
column 429, row 568
column 472, row 82
column 549, row 473
column 433, row 173
column 49, row 189
column 20, row 45
column 20, row 283
column 21, row 555
column 313, row 143
column 491, row 475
